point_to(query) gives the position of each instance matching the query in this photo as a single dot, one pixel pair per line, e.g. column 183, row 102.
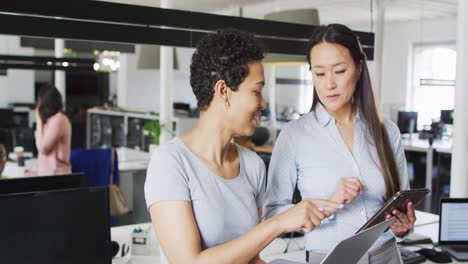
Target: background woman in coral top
column 53, row 133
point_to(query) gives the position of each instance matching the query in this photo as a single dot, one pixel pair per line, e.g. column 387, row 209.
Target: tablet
column 399, row 201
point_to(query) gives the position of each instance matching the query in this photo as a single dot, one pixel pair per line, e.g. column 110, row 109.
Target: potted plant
column 153, row 128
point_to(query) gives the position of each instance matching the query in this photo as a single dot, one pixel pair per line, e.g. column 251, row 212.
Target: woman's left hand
column 403, row 222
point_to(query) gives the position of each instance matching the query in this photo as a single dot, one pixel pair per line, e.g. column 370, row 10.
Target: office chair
column 96, row 163
column 260, row 136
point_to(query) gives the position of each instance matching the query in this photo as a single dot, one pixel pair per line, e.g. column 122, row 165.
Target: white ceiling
column 350, row 12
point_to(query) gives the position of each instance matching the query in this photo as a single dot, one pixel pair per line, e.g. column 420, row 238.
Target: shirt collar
column 324, row 118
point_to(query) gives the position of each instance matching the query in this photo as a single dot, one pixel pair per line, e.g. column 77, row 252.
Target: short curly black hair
column 222, row 56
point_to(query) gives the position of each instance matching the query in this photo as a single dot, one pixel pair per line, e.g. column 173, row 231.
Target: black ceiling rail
column 25, row 66
column 153, row 16
column 70, row 29
column 76, row 45
column 104, row 21
column 46, row 63
column 46, row 59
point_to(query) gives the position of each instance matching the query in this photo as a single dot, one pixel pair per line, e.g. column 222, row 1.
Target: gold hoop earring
column 227, row 103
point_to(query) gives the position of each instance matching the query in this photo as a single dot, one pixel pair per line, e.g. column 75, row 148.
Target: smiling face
column 334, row 74
column 246, row 103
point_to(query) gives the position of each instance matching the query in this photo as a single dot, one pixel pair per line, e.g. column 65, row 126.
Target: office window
column 433, row 80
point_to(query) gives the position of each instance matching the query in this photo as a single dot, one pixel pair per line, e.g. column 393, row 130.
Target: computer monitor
column 6, row 118
column 181, row 106
column 446, row 116
column 42, row 183
column 24, row 136
column 6, row 138
column 453, row 223
column 404, row 121
column 55, row 227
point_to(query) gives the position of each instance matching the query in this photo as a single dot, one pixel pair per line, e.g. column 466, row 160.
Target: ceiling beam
column 45, row 63
column 104, row 21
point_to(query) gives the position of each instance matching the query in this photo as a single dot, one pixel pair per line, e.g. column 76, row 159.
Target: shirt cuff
column 401, row 238
column 326, row 220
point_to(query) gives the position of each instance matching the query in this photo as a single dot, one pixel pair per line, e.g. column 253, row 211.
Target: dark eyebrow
column 262, row 83
column 336, row 64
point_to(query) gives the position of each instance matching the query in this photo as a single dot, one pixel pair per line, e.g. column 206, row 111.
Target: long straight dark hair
column 49, row 102
column 363, row 98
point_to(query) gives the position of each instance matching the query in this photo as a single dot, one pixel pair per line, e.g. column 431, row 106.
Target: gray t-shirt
column 223, row 209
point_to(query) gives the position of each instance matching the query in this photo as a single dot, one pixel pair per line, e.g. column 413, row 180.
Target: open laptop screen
column 55, row 227
column 453, row 223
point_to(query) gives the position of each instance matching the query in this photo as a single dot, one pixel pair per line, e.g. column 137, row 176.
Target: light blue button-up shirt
column 311, row 153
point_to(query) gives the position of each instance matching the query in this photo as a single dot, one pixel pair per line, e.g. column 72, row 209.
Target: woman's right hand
column 347, row 189
column 306, row 215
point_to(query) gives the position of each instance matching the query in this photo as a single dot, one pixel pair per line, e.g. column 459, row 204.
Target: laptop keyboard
column 460, row 249
column 411, row 257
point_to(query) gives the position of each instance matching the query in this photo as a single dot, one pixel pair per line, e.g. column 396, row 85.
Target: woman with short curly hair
column 204, row 193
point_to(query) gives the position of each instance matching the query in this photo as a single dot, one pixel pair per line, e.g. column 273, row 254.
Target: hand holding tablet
column 398, row 202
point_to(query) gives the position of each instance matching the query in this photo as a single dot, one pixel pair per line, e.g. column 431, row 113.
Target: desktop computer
column 42, row 183
column 407, row 122
column 446, row 117
column 24, row 136
column 6, row 118
column 55, row 227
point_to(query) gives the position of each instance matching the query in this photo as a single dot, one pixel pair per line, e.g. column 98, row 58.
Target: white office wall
column 17, row 85
column 398, row 40
column 182, row 89
column 142, row 85
column 297, row 96
column 396, row 69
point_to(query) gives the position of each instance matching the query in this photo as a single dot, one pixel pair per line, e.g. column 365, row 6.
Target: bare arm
column 46, row 139
column 178, row 234
column 257, row 259
column 180, row 239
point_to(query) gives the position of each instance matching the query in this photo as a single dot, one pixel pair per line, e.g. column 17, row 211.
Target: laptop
column 453, row 227
column 349, row 250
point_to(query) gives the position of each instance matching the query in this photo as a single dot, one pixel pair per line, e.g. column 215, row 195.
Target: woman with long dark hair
column 343, row 150
column 53, row 133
